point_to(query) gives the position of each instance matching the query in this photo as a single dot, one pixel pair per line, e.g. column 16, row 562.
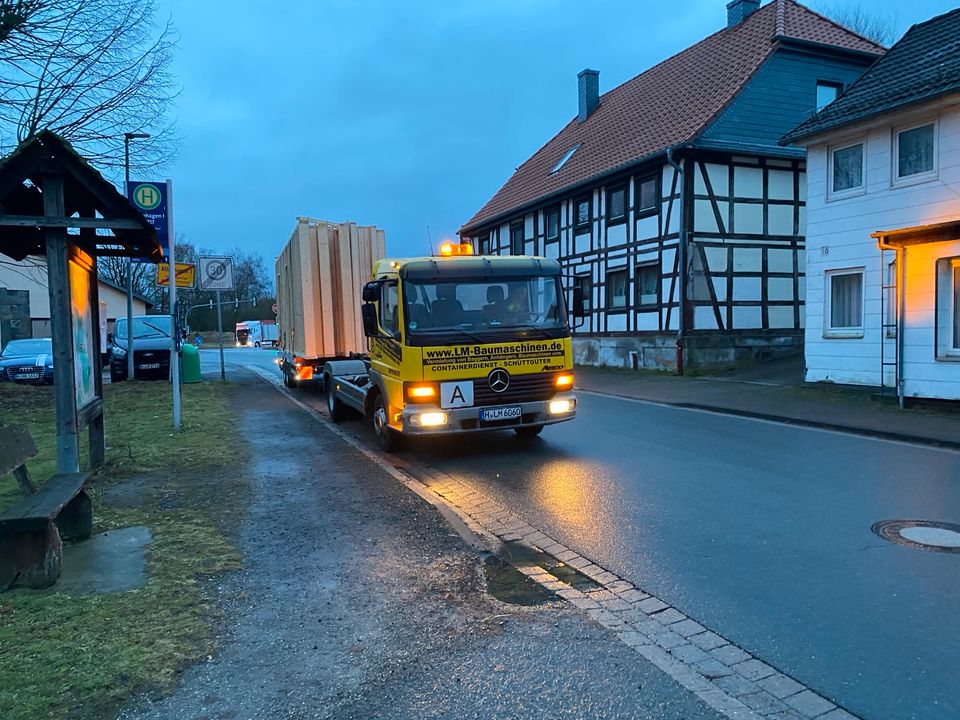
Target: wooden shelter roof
column 109, row 223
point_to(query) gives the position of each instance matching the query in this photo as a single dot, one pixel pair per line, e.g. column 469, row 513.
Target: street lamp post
column 127, row 137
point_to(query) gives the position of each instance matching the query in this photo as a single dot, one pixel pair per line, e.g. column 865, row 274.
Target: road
column 760, row 531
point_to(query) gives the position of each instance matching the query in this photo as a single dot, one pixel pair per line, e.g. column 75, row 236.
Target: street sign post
column 216, row 273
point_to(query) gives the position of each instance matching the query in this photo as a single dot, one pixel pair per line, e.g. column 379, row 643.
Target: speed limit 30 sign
column 215, row 272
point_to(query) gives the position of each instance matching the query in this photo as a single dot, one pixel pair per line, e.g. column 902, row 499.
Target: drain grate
column 927, row 535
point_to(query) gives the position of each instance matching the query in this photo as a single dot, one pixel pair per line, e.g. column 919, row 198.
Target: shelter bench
column 31, row 554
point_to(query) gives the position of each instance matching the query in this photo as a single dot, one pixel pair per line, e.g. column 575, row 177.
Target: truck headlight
column 428, row 419
column 561, row 407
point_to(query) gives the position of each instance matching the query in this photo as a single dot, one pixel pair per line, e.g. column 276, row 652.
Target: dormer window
column 563, row 160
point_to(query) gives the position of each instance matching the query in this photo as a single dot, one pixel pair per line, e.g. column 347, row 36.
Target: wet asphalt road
column 760, row 531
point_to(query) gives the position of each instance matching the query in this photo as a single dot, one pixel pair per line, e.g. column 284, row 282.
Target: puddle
column 509, row 585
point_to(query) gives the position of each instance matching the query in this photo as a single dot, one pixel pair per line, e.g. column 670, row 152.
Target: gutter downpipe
column 901, row 260
column 682, row 263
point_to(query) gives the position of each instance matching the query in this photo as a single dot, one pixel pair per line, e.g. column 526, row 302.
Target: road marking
column 789, row 422
column 721, row 674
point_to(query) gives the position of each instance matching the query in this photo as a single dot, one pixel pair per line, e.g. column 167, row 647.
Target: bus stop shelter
column 54, row 203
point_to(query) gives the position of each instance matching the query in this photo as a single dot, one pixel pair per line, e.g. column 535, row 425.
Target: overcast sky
column 398, row 114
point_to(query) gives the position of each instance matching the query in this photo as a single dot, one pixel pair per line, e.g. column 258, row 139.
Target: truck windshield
column 469, row 306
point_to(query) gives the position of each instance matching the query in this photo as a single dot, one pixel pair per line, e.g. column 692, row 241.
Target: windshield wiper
column 154, row 327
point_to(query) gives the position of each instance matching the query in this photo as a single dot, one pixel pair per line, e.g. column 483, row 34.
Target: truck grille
column 523, row 388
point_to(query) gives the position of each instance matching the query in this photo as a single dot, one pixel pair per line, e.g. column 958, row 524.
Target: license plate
column 501, row 413
column 149, row 366
column 27, row 376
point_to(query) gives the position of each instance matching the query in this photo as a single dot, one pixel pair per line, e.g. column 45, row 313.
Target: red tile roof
column 669, row 104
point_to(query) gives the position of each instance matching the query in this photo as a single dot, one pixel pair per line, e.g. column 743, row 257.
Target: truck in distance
column 459, row 343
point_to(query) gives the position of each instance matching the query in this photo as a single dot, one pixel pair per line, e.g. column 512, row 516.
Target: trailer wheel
column 337, row 410
column 390, row 441
column 528, row 431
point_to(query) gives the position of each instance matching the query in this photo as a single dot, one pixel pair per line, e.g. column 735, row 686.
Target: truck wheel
column 337, row 410
column 390, row 441
column 528, row 431
column 287, row 382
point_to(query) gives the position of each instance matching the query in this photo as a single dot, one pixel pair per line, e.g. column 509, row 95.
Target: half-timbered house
column 883, row 268
column 669, row 200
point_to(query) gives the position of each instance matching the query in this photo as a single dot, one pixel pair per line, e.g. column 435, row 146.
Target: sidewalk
column 776, row 391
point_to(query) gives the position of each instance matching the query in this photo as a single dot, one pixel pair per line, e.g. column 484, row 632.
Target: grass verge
column 63, row 656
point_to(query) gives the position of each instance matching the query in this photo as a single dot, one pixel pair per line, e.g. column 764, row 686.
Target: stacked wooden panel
column 320, row 275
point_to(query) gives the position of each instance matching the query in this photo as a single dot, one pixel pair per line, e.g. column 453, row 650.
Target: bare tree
column 89, row 70
column 872, row 24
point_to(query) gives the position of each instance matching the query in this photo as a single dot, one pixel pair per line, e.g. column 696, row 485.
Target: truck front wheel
column 337, row 410
column 389, row 439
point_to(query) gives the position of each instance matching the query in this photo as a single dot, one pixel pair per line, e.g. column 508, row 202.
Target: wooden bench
column 30, row 551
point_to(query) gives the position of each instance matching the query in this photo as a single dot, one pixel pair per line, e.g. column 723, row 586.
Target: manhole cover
column 921, row 534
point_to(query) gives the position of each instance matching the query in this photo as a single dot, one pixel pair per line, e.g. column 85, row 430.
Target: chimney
column 740, row 10
column 588, row 92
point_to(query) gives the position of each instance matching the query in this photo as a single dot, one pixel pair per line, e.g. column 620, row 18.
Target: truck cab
column 462, row 343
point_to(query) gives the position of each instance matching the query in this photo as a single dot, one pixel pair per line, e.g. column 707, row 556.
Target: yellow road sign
column 186, row 275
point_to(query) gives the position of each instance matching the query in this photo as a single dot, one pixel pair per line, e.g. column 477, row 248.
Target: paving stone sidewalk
column 777, row 391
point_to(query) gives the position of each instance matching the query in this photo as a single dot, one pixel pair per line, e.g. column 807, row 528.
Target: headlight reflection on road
column 569, row 490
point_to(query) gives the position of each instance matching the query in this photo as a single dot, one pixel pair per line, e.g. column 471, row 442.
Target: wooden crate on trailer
column 320, row 276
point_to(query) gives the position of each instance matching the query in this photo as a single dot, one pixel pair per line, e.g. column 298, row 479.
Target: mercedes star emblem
column 499, row 380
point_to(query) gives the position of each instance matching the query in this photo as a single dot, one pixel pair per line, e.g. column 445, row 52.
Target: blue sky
column 398, row 114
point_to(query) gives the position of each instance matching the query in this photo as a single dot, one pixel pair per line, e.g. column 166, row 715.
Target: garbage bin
column 189, row 364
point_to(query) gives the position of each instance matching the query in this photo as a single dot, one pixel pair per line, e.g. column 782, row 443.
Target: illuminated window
column 948, row 309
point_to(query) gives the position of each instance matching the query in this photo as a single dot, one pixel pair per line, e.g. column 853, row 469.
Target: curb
column 787, row 420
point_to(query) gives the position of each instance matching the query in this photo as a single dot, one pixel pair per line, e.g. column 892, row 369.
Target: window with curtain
column 915, row 150
column 617, row 289
column 847, row 168
column 648, row 283
column 846, row 300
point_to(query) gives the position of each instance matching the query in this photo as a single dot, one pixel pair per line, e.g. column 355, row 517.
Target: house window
column 948, row 308
column 648, row 284
column 646, row 192
column 846, row 169
column 844, row 307
column 915, row 151
column 827, row 92
column 553, row 224
column 483, row 245
column 516, row 239
column 583, row 214
column 617, row 289
column 585, row 283
column 617, row 205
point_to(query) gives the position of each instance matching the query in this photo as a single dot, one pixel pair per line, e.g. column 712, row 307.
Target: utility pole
column 175, row 339
column 127, row 137
column 223, row 373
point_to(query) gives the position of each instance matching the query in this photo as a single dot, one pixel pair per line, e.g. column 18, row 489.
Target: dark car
column 28, row 361
column 151, row 348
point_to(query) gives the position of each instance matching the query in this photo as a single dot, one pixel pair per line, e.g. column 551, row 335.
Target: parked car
column 28, row 361
column 151, row 348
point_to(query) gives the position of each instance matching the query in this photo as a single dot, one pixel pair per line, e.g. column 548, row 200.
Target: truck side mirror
column 577, row 308
column 371, row 292
column 371, row 326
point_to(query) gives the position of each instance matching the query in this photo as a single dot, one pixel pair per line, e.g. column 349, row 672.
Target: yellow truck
column 459, row 343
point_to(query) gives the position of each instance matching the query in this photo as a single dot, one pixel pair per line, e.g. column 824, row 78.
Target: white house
column 883, row 222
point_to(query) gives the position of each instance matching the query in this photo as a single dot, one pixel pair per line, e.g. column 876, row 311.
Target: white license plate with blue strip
column 501, row 413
